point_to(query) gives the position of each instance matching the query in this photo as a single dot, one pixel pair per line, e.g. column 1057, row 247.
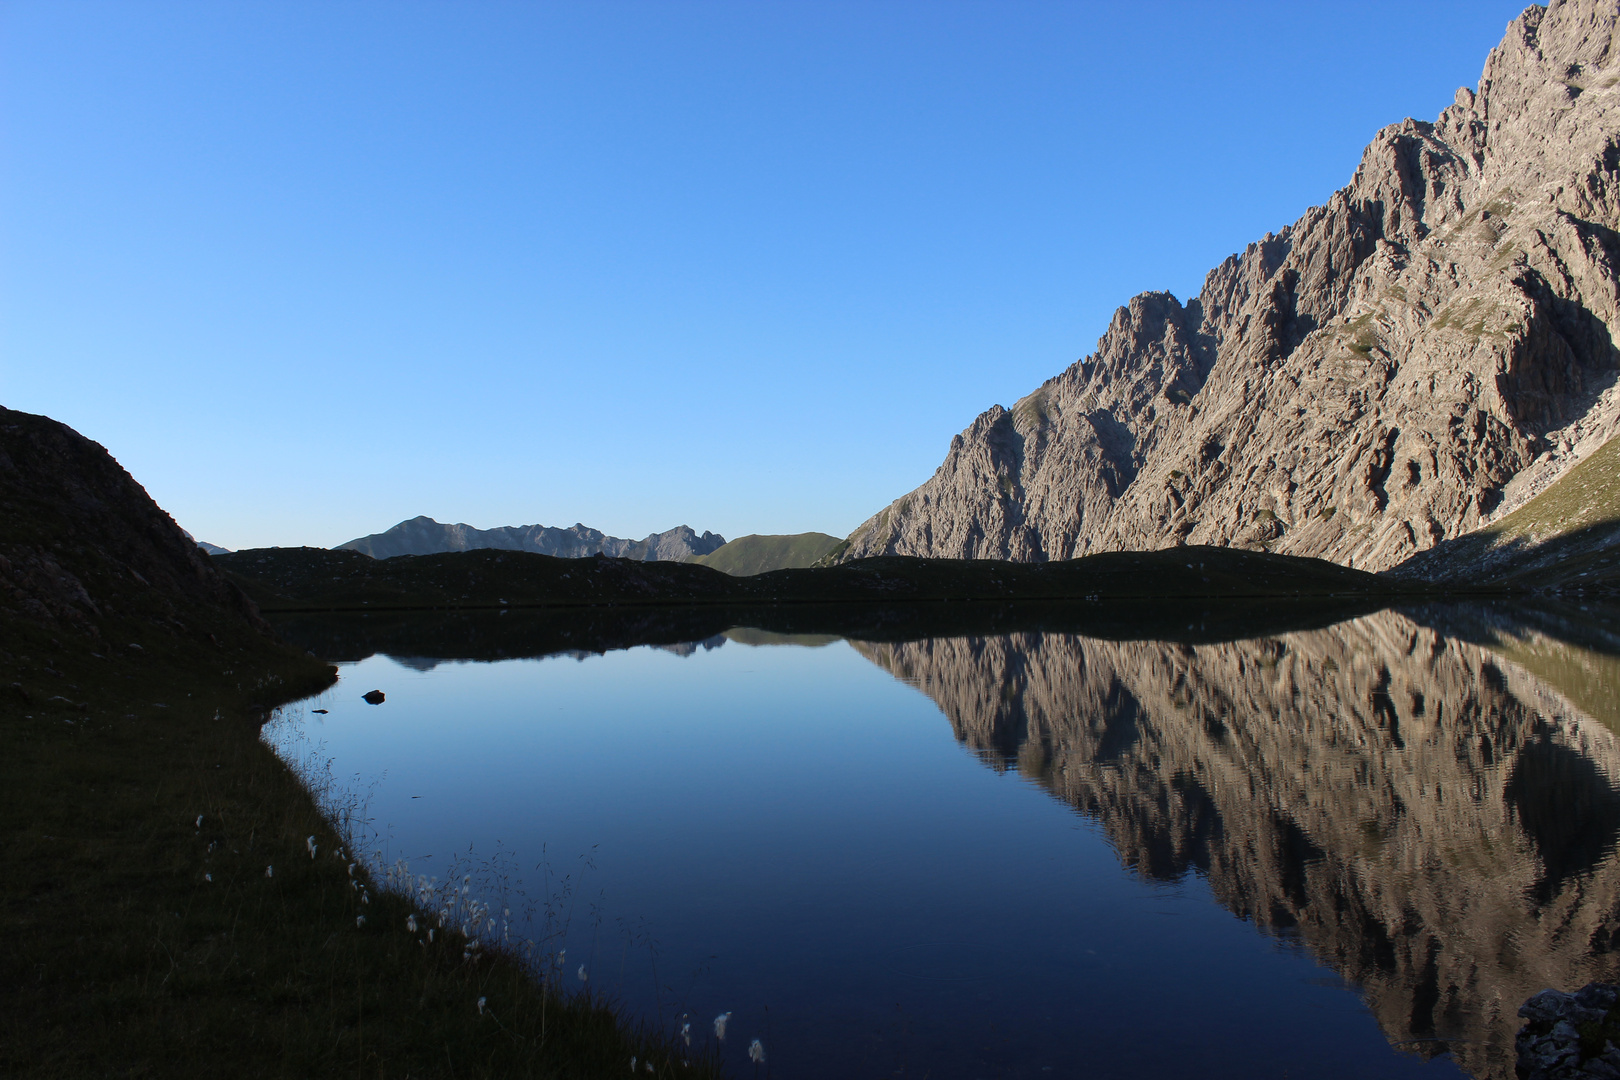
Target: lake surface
column 1348, row 850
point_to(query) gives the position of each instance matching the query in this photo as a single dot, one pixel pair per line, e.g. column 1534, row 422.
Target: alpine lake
column 1293, row 842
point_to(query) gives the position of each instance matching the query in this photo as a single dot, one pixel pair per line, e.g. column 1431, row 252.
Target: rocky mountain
column 424, row 536
column 1417, row 357
column 1430, row 819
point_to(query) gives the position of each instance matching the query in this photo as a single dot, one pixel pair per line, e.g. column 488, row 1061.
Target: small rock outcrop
column 1570, row 1036
column 1422, row 354
column 424, row 536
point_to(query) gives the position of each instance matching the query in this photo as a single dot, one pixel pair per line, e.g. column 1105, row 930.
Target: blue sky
column 310, row 269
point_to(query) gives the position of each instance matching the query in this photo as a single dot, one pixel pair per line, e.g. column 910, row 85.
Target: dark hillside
column 311, row 579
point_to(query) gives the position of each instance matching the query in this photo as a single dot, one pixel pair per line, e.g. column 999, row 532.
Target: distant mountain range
column 424, row 536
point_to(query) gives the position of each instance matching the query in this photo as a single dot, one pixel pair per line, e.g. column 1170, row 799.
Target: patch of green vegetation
column 1362, row 336
column 756, row 554
column 1032, row 412
column 1327, row 512
column 1476, row 317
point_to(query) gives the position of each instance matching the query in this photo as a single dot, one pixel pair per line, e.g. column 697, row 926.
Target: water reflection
column 1425, row 800
column 1428, row 816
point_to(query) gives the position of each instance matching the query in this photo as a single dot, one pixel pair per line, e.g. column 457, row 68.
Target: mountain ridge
column 1407, row 362
column 422, row 535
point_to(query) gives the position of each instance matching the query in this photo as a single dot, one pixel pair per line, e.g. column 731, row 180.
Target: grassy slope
column 755, row 554
column 1566, row 539
column 131, row 693
column 294, row 579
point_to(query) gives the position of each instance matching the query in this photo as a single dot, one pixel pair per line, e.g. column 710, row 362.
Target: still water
column 1343, row 851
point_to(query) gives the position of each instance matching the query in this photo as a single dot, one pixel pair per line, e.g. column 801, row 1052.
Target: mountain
column 424, row 536
column 1410, row 361
column 755, row 554
column 1420, row 813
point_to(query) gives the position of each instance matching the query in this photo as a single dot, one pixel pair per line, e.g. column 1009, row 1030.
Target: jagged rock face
column 1429, row 349
column 424, row 536
column 1429, row 819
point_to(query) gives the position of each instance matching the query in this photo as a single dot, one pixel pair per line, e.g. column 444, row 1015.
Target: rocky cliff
column 1423, row 353
column 424, row 536
column 1434, row 822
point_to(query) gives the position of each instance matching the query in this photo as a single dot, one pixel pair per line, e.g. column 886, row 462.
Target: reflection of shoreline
column 1432, row 822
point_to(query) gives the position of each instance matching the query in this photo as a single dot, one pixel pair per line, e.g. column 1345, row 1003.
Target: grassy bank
column 165, row 916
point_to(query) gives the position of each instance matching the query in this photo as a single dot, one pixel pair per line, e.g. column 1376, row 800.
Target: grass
column 756, row 554
column 143, row 941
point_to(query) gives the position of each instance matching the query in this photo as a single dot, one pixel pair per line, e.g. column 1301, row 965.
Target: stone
column 1418, row 356
column 373, row 697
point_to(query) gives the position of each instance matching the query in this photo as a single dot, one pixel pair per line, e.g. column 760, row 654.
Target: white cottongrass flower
column 365, row 897
column 481, row 1002
column 583, row 977
column 410, row 923
column 208, row 877
column 309, row 842
column 430, row 933
column 359, row 921
column 686, row 1033
column 351, row 869
column 756, row 1052
column 632, row 1064
column 199, row 821
column 720, row 1026
column 269, row 871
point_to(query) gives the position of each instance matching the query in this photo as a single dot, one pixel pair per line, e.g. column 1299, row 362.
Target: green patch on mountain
column 757, row 554
column 1567, row 539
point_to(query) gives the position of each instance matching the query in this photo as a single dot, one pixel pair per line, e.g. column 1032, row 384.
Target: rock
column 1560, row 1030
column 1418, row 356
column 373, row 697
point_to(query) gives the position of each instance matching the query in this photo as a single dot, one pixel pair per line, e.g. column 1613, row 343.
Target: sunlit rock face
column 1425, row 816
column 1427, row 350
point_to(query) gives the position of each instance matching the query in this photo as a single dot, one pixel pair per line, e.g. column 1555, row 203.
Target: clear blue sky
column 307, row 269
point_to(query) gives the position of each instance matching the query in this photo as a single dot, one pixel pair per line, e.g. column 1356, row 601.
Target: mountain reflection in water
column 1426, row 800
column 1429, row 818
